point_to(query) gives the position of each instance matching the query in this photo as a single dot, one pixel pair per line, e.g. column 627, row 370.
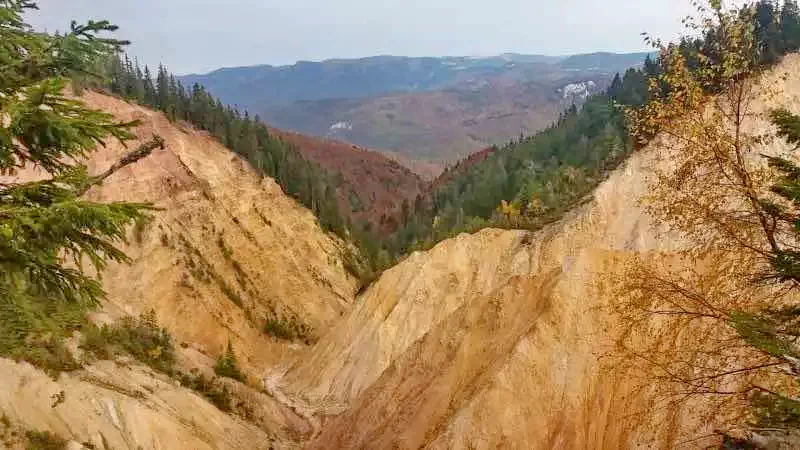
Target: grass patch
column 227, row 252
column 229, row 292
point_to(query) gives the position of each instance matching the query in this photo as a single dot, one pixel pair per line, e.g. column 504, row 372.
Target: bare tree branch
column 143, row 151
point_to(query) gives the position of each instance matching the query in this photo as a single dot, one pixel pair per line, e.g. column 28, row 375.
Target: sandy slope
column 492, row 340
column 279, row 263
column 221, row 228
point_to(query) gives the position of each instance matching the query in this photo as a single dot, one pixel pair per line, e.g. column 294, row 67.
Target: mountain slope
column 493, row 339
column 224, row 232
column 344, row 78
column 372, row 186
column 443, row 125
column 614, row 62
column 227, row 252
column 488, row 340
column 429, row 109
column 269, row 86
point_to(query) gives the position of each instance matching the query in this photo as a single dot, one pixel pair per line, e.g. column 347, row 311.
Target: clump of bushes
column 44, row 440
column 216, row 392
column 227, row 365
column 141, row 338
column 49, row 354
column 288, row 330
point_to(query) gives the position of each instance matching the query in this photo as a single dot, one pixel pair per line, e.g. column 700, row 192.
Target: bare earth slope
column 492, row 340
column 224, row 236
column 227, row 251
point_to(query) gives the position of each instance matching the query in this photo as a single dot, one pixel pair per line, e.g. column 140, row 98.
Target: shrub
column 211, row 389
column 49, row 354
column 44, row 440
column 32, row 330
column 141, row 338
column 278, row 329
column 227, row 365
column 287, row 330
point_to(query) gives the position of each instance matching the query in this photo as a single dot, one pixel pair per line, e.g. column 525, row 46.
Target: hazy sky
column 202, row 35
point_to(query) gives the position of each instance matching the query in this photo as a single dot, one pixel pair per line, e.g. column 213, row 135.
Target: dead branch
column 143, row 151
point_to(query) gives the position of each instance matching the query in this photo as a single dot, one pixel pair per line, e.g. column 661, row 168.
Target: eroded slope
column 493, row 339
column 226, row 252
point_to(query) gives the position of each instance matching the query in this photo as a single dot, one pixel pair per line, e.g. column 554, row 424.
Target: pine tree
column 614, row 89
column 149, row 88
column 47, row 231
column 767, row 32
column 790, row 26
column 162, row 88
column 228, row 366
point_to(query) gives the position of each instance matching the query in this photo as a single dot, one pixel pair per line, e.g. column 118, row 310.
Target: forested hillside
column 266, row 86
column 534, row 180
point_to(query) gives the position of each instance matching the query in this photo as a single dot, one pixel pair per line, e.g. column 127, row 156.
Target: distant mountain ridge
column 604, row 60
column 430, row 109
column 267, row 85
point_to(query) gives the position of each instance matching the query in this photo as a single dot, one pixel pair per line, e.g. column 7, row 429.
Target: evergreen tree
column 767, row 32
column 47, row 231
column 162, row 88
column 790, row 26
column 228, row 366
column 150, row 95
